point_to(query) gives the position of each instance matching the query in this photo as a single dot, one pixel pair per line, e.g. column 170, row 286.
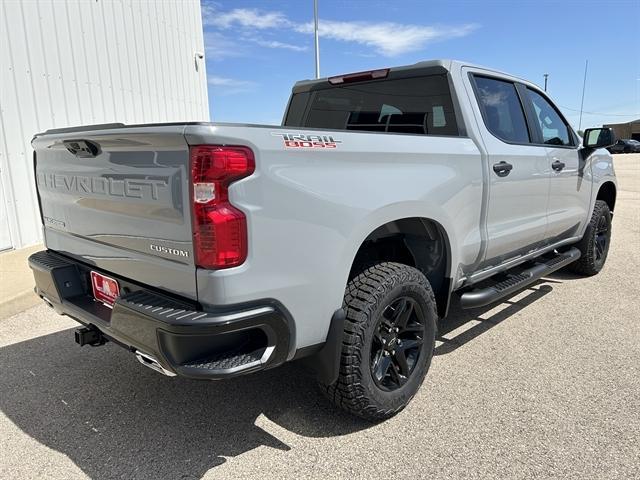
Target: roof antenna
column 584, row 84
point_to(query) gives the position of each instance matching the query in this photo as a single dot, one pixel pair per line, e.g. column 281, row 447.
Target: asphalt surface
column 545, row 385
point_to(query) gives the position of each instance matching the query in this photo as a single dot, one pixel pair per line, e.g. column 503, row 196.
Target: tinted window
column 296, row 109
column 554, row 130
column 419, row 105
column 502, row 110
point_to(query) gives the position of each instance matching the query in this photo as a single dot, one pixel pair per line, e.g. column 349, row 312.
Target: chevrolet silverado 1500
column 211, row 250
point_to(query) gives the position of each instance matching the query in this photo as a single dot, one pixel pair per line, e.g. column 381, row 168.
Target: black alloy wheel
column 388, row 341
column 601, row 240
column 595, row 243
column 397, row 343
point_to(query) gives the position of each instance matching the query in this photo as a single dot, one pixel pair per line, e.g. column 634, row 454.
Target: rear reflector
column 359, row 76
column 219, row 228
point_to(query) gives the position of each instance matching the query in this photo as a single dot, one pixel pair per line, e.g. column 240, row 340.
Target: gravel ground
column 545, row 385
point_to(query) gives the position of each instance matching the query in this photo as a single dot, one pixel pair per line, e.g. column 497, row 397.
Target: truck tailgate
column 118, row 199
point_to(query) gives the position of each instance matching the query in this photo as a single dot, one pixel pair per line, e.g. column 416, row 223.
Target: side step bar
column 484, row 296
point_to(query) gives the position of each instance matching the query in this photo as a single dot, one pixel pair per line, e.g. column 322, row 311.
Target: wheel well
column 418, row 242
column 607, row 193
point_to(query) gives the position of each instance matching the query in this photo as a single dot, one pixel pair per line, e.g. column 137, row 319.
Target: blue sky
column 256, row 50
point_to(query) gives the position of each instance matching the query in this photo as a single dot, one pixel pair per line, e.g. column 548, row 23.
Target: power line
column 602, row 113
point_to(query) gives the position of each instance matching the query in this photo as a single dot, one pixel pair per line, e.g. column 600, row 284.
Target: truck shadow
column 114, row 419
column 474, row 322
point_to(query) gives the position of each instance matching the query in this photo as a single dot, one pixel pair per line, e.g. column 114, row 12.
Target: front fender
column 602, row 171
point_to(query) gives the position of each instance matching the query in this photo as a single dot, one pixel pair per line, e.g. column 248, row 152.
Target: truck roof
column 445, row 65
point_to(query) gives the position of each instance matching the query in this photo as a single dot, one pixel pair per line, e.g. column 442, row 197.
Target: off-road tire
column 366, row 297
column 590, row 263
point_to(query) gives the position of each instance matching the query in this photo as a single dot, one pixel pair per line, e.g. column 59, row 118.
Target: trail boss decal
column 299, row 140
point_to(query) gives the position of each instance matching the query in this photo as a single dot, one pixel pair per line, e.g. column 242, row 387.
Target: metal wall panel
column 78, row 62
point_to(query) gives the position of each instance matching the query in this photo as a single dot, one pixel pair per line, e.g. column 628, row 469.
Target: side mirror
column 598, row 138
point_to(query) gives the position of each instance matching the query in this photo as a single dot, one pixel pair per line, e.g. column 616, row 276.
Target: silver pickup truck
column 211, row 250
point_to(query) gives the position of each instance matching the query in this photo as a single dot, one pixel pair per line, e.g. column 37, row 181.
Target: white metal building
column 77, row 62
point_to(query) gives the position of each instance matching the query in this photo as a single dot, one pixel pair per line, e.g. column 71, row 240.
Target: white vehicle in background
column 211, row 250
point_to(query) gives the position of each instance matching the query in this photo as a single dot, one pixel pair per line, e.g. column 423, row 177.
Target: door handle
column 502, row 169
column 558, row 165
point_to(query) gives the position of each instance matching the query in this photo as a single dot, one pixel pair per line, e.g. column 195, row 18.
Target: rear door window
column 501, row 109
column 418, row 105
column 553, row 128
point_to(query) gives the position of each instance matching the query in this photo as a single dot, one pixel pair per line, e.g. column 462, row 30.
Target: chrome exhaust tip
column 47, row 302
column 149, row 361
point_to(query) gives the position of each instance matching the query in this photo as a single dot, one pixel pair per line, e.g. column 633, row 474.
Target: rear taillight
column 219, row 229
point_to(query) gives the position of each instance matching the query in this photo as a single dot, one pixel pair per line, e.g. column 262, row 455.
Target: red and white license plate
column 105, row 289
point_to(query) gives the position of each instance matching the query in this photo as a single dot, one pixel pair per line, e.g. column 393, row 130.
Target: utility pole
column 546, row 75
column 584, row 85
column 315, row 33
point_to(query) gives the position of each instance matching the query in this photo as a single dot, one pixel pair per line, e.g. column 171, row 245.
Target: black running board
column 484, row 296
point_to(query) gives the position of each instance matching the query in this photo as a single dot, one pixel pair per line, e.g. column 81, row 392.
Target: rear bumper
column 182, row 337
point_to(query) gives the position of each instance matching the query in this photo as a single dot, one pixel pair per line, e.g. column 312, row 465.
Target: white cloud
column 229, row 86
column 219, row 46
column 389, row 38
column 277, row 44
column 244, row 17
column 383, row 38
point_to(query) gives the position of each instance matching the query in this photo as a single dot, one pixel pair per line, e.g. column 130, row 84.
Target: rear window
column 418, row 105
